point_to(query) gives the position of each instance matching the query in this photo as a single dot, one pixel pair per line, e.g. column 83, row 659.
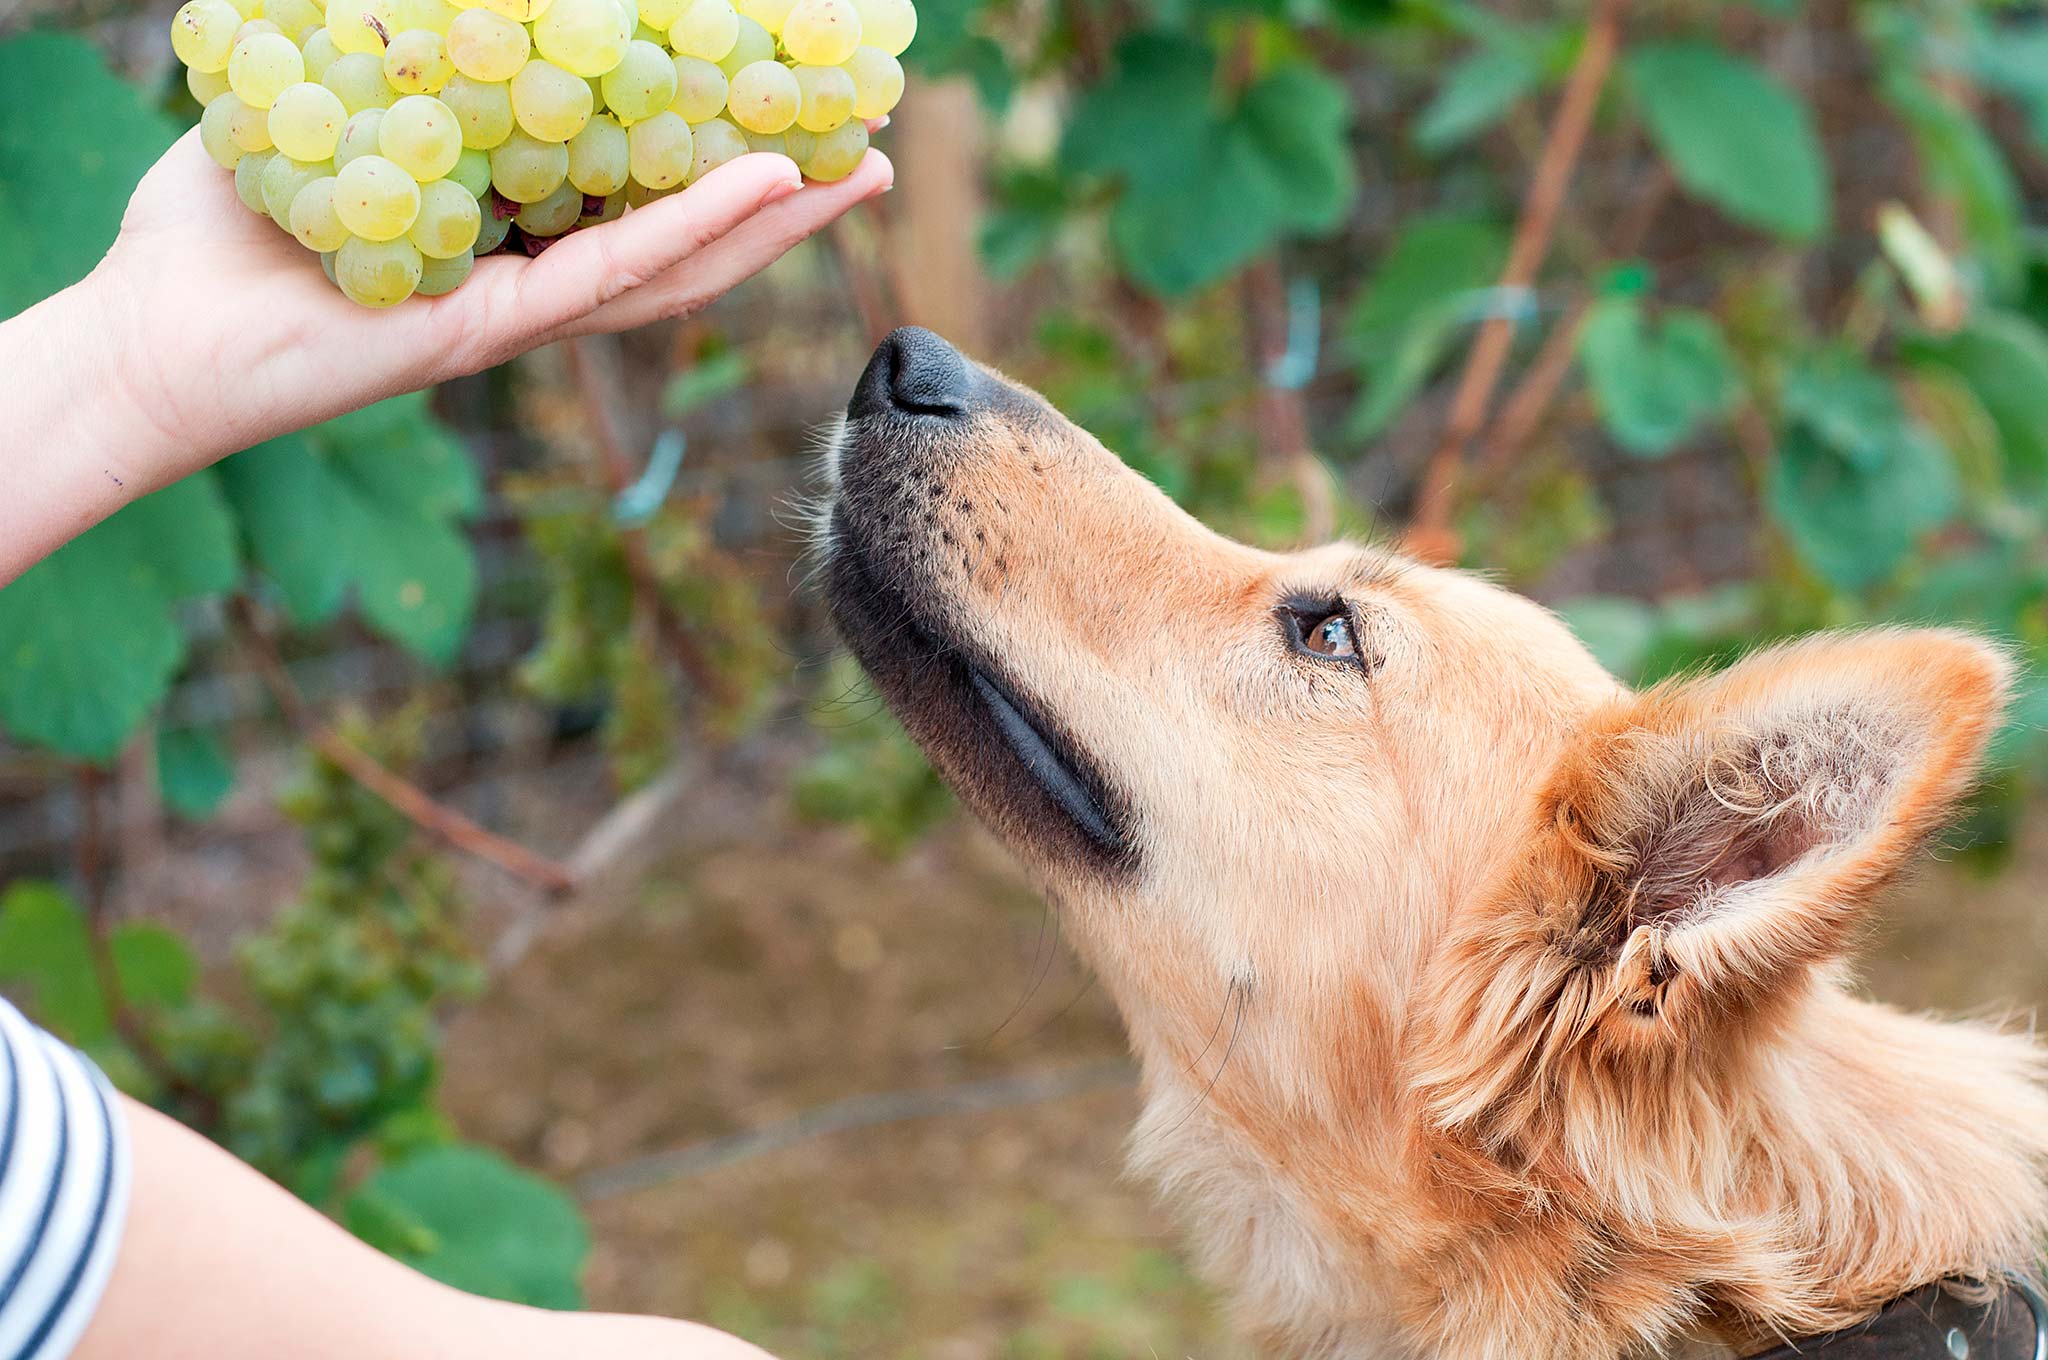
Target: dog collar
column 1935, row 1323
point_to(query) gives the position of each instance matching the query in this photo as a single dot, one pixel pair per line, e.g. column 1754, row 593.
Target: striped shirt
column 63, row 1190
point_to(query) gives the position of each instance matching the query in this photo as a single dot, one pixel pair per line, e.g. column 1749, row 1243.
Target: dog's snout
column 916, row 372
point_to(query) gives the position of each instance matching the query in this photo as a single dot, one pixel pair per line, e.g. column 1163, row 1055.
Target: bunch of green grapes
column 402, row 139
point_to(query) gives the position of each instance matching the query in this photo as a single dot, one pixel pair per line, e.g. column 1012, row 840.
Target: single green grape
column 472, row 171
column 492, row 234
column 700, row 89
column 798, row 143
column 660, row 15
column 598, row 157
column 483, row 108
column 359, row 137
column 358, row 77
column 821, row 32
column 765, row 97
column 486, row 46
column 660, row 151
column 887, row 24
column 262, row 67
column 706, row 29
column 751, row 43
column 421, row 136
column 282, row 180
column 203, row 33
column 642, row 84
column 320, row 54
column 877, row 81
column 769, row 14
column 549, row 102
column 449, row 220
column 305, row 122
column 716, row 142
column 249, row 180
column 837, row 152
column 312, row 217
column 296, row 19
column 435, row 16
column 417, row 62
column 360, row 25
column 205, row 86
column 827, row 97
column 377, row 273
column 217, row 130
column 526, row 169
column 587, row 37
column 553, row 215
column 438, row 277
column 375, row 199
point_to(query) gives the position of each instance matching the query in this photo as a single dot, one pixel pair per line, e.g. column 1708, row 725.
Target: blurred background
column 460, row 809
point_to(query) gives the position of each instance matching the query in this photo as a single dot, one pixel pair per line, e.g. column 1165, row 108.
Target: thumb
column 587, row 269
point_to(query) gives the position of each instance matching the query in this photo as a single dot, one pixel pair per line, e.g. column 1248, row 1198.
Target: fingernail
column 881, row 122
column 781, row 191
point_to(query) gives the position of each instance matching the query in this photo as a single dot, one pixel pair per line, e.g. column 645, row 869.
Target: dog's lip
column 1042, row 761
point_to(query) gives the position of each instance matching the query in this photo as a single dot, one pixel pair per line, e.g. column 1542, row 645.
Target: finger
column 583, row 271
column 708, row 275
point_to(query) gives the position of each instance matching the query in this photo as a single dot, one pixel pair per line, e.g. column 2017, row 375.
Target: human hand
column 224, row 332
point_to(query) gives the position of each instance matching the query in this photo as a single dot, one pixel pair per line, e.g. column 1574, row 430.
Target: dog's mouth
column 1001, row 751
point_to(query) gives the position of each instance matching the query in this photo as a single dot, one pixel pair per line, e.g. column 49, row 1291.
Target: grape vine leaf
column 370, row 503
column 1422, row 290
column 1856, row 481
column 46, row 958
column 74, row 139
column 1206, row 183
column 89, row 638
column 1654, row 382
column 1964, row 165
column 2002, row 358
column 1734, row 135
column 193, row 771
column 471, row 1219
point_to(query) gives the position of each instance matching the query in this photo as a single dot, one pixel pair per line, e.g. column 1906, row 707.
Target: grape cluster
column 402, row 139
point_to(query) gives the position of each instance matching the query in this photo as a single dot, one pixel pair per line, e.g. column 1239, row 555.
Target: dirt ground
column 781, row 967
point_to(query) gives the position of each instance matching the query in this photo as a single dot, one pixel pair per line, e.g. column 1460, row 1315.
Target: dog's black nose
column 914, row 371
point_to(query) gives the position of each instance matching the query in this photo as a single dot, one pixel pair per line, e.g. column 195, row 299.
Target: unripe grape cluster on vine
column 403, row 139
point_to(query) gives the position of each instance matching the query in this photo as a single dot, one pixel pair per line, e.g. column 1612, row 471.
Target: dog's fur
column 1485, row 1007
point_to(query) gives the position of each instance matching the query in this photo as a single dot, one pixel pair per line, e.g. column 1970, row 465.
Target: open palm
column 228, row 332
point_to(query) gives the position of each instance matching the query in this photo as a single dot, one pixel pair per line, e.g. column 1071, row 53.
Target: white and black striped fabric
column 64, row 1169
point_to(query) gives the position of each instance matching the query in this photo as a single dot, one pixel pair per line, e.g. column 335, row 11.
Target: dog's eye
column 1331, row 637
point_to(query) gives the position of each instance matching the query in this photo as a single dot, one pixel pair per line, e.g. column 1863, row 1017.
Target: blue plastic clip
column 1292, row 368
column 636, row 505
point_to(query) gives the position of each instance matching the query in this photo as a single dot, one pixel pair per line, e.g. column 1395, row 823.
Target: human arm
column 206, row 330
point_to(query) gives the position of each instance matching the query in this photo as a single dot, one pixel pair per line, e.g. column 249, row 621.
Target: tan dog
column 1485, row 1008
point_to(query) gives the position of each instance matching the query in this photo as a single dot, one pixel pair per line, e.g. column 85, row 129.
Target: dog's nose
column 914, row 371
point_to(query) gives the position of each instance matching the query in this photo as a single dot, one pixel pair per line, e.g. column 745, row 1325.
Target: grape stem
column 1430, row 536
column 436, row 819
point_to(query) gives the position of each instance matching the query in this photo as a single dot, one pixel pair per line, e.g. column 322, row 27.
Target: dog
column 1484, row 1007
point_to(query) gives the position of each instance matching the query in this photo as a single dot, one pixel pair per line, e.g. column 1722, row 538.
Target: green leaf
column 1228, row 180
column 1476, row 93
column 1654, row 383
column 1963, row 163
column 1420, row 294
column 89, row 638
column 1031, row 206
column 74, row 139
column 369, row 503
column 469, row 1218
column 193, row 771
column 1733, row 135
column 47, row 958
column 951, row 41
column 703, row 381
column 1856, row 481
column 2003, row 359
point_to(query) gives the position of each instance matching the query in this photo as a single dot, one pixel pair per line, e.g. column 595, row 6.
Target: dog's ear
column 1711, row 839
